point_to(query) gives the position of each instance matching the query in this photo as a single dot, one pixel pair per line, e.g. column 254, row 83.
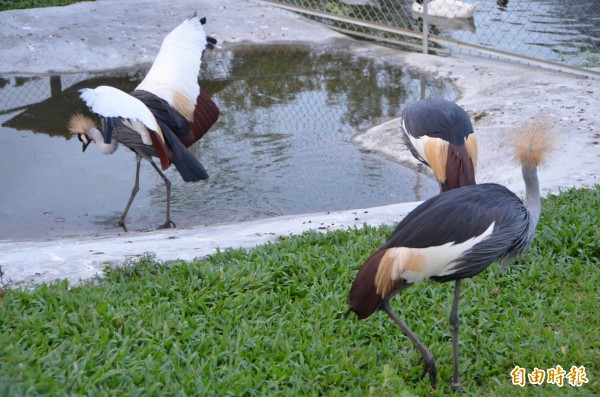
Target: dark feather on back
column 464, row 213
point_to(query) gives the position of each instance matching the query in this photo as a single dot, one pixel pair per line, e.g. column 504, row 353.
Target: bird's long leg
column 136, row 187
column 425, row 354
column 454, row 329
column 168, row 222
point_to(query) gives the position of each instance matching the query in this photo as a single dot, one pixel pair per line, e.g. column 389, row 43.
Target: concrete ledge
column 34, row 262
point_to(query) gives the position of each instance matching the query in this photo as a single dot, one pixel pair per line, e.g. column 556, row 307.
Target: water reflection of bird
column 446, row 8
column 439, row 133
column 454, row 235
column 165, row 114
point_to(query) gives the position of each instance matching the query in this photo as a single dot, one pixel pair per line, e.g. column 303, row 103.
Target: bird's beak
column 85, row 145
column 85, row 141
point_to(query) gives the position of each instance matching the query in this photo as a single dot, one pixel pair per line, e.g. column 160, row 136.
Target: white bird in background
column 445, row 8
column 165, row 114
column 454, row 235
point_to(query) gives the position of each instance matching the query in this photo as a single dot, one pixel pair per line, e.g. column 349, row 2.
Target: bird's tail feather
column 190, row 169
column 533, row 143
column 363, row 298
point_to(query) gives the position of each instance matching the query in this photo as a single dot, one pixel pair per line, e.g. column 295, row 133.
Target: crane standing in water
column 439, row 134
column 454, row 235
column 165, row 114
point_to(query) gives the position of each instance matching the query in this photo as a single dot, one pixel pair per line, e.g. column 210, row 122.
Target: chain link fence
column 549, row 33
column 563, row 35
column 556, row 34
column 250, row 77
column 43, row 104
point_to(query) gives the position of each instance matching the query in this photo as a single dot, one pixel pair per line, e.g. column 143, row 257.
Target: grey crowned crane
column 439, row 134
column 165, row 114
column 454, row 235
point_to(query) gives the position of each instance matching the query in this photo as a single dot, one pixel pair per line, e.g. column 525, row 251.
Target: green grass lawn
column 272, row 321
column 22, row 4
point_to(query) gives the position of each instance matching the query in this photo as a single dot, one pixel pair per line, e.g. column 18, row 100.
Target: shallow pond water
column 282, row 145
column 553, row 30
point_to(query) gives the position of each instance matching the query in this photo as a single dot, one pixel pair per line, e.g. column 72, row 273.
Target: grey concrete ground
column 109, row 34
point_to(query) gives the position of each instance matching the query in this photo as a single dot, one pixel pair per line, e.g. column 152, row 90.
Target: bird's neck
column 532, row 193
column 104, row 148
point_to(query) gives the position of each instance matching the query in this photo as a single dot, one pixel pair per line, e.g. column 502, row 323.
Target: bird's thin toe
column 430, row 368
column 456, row 388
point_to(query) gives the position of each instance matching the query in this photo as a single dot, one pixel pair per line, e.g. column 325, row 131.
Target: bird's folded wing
column 110, row 102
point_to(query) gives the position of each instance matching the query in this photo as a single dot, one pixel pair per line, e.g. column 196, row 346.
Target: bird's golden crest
column 533, row 142
column 79, row 123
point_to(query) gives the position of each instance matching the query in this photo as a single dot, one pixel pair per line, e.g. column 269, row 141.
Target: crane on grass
column 165, row 114
column 454, row 235
column 439, row 134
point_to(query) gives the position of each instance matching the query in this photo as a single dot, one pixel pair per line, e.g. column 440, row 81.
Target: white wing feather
column 111, row 102
column 174, row 73
column 438, row 260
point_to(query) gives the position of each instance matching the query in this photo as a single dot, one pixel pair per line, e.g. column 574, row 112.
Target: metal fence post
column 425, row 28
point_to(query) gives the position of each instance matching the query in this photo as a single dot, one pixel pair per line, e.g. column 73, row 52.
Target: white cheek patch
column 419, row 144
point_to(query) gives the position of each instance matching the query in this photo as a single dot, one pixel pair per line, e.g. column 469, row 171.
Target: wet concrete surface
column 112, row 34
